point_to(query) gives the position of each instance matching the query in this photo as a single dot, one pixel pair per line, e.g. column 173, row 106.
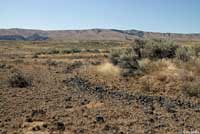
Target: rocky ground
column 76, row 96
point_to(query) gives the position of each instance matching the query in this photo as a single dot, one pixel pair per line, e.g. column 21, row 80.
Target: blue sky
column 182, row 16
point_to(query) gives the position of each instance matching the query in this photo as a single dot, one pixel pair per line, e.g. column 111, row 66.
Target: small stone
column 84, row 102
column 100, row 119
column 80, row 131
column 68, row 107
column 44, row 125
column 29, row 120
column 68, row 98
column 60, row 126
column 37, row 128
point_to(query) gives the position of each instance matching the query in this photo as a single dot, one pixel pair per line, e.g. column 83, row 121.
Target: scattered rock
column 60, row 126
column 111, row 129
column 100, row 119
column 79, row 131
column 36, row 128
column 45, row 125
column 68, row 107
column 29, row 119
column 69, row 98
column 38, row 113
column 84, row 101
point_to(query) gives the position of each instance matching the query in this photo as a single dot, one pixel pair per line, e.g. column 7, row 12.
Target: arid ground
column 60, row 87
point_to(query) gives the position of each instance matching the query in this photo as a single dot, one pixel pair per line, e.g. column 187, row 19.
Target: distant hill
column 34, row 37
column 90, row 34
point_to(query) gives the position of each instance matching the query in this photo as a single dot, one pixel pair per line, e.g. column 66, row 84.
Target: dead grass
column 192, row 88
column 108, row 69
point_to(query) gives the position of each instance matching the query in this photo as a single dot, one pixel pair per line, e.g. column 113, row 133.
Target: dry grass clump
column 149, row 66
column 108, row 69
column 19, row 80
column 53, row 51
column 193, row 65
column 182, row 53
column 192, row 88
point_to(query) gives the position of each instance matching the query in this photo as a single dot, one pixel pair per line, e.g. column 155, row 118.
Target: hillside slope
column 97, row 34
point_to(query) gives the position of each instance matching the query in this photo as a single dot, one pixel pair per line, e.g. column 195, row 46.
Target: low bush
column 127, row 60
column 192, row 88
column 196, row 50
column 19, row 79
column 51, row 62
column 53, row 51
column 182, row 54
column 92, row 50
column 75, row 50
column 66, row 51
column 2, row 66
column 35, row 56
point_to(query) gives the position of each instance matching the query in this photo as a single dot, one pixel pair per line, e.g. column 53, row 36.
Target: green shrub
column 182, row 54
column 162, row 49
column 154, row 49
column 114, row 56
column 76, row 50
column 125, row 59
column 69, row 51
column 53, row 51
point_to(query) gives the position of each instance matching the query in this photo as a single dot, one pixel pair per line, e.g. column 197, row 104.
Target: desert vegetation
column 18, row 79
column 134, row 86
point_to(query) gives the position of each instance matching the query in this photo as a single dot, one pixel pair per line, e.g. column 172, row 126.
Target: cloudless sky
column 182, row 16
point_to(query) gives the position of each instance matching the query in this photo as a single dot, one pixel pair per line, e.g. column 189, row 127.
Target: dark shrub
column 155, row 49
column 92, row 50
column 2, row 66
column 76, row 50
column 35, row 56
column 51, row 62
column 53, row 51
column 163, row 49
column 66, row 51
column 5, row 66
column 20, row 80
